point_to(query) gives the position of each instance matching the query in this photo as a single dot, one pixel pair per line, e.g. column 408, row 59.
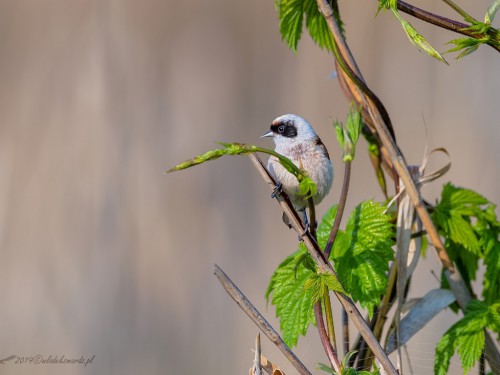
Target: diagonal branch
column 325, row 266
column 259, row 320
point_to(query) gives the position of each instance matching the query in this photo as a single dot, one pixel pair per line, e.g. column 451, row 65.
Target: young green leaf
column 362, row 253
column 467, row 336
column 354, row 123
column 293, row 302
column 348, row 135
column 321, row 283
column 416, row 39
column 386, row 5
column 466, row 45
column 492, row 10
column 413, row 36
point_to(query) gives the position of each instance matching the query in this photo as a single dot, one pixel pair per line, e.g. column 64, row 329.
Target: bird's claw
column 278, row 189
column 307, row 227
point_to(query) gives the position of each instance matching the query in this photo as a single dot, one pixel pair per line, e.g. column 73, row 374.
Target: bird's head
column 291, row 129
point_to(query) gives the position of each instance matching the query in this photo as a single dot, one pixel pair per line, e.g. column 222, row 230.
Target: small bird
column 295, row 138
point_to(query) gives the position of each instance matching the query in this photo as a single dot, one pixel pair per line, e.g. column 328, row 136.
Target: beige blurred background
column 103, row 254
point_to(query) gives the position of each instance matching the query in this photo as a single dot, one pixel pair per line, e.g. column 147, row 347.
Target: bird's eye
column 281, row 129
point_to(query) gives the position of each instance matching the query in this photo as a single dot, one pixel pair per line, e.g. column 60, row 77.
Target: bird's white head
column 291, row 129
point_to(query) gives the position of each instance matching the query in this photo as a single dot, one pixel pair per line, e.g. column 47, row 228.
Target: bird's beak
column 268, row 134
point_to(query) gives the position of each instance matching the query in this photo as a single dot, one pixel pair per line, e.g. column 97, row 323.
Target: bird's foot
column 278, row 189
column 307, row 226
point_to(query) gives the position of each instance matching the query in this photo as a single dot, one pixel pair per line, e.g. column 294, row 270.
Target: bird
column 296, row 139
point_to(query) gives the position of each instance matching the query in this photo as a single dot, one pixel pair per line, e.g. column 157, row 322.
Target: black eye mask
column 284, row 129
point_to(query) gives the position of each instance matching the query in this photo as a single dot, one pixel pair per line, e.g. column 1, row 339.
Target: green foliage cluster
column 469, row 225
column 361, row 255
column 292, row 14
column 467, row 336
column 484, row 32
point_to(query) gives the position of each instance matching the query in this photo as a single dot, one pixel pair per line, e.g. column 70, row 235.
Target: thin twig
column 258, row 319
column 329, row 320
column 327, row 338
column 482, row 367
column 340, row 209
column 345, row 332
column 385, row 306
column 459, row 10
column 359, row 345
column 325, row 266
column 257, row 366
column 327, row 345
column 312, row 217
column 435, row 19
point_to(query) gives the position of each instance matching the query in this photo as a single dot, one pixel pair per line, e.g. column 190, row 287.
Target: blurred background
column 103, row 254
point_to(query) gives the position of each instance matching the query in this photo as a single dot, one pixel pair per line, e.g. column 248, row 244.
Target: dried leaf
column 419, row 315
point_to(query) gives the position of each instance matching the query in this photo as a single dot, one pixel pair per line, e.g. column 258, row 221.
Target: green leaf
column 321, row 283
column 416, row 39
column 317, row 26
column 468, row 45
column 348, row 135
column 444, row 352
column 386, row 5
column 325, row 368
column 492, row 10
column 293, row 302
column 466, row 336
column 291, row 15
column 470, row 347
column 362, row 253
column 491, row 291
column 453, row 216
column 354, row 123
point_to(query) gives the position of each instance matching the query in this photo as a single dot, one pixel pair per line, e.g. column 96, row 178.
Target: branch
column 257, row 365
column 443, row 22
column 340, row 209
column 259, row 320
column 324, row 266
column 345, row 332
column 330, row 351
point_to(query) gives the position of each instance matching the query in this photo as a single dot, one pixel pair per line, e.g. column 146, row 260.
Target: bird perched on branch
column 296, row 139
